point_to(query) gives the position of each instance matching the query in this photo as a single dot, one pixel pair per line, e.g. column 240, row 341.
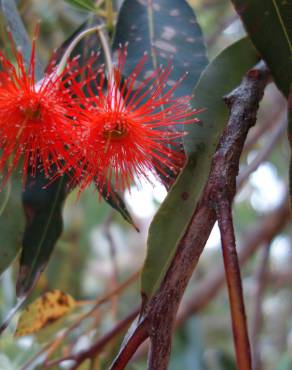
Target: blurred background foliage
column 98, row 251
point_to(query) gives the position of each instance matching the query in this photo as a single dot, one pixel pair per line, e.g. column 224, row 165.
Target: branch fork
column 157, row 316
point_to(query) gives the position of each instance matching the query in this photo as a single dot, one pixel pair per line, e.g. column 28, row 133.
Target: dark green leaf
column 19, row 33
column 88, row 5
column 166, row 29
column 167, row 227
column 43, row 210
column 11, row 221
column 269, row 24
column 116, row 202
column 290, row 142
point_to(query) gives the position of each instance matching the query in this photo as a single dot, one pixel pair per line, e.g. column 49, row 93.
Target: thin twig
column 50, row 348
column 259, row 235
column 112, row 247
column 272, row 120
column 274, row 137
column 97, row 347
column 232, row 269
column 255, row 237
column 243, row 103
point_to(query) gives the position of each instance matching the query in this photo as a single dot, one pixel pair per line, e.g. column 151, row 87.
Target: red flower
column 133, row 127
column 37, row 119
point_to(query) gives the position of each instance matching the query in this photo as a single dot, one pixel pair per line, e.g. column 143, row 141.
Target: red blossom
column 38, row 120
column 133, row 127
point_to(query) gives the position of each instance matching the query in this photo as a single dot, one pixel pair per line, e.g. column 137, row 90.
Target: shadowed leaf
column 20, row 36
column 117, row 203
column 269, row 24
column 11, row 221
column 166, row 30
column 44, row 224
column 290, row 142
column 222, row 75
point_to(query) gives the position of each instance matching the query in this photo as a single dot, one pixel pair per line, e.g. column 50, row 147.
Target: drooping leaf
column 166, row 30
column 220, row 77
column 87, row 5
column 11, row 221
column 43, row 311
column 43, row 210
column 269, row 24
column 20, row 36
column 117, row 203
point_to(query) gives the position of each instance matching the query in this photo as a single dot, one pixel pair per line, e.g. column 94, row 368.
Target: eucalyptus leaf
column 86, row 5
column 269, row 24
column 20, row 36
column 168, row 31
column 44, row 224
column 11, row 221
column 221, row 76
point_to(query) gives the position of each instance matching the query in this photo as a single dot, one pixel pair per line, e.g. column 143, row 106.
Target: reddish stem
column 232, row 270
column 139, row 335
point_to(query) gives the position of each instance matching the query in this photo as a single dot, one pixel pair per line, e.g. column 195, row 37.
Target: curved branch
column 162, row 307
column 159, row 312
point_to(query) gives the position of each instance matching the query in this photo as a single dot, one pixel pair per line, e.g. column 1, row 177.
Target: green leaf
column 87, row 5
column 20, row 36
column 166, row 29
column 43, row 207
column 269, row 24
column 289, row 132
column 116, row 202
column 11, row 221
column 222, row 75
column 43, row 210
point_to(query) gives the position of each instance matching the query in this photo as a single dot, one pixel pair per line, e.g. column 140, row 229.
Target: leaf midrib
column 44, row 235
column 283, row 25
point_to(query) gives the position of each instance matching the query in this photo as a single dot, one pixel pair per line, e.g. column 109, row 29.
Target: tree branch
column 232, row 270
column 260, row 235
column 257, row 236
column 243, row 103
column 159, row 312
